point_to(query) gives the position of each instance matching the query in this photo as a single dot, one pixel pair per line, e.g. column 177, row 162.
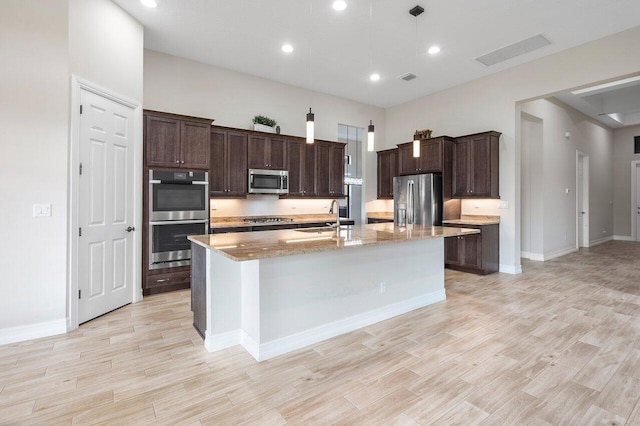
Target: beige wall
column 34, row 113
column 490, row 103
column 187, row 87
column 558, row 173
column 41, row 44
column 622, row 157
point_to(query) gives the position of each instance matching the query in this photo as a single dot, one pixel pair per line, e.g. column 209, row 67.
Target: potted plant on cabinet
column 263, row 124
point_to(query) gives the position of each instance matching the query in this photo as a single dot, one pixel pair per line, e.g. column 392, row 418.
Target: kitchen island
column 277, row 291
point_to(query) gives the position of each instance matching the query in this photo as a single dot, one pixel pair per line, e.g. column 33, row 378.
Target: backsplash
column 266, row 205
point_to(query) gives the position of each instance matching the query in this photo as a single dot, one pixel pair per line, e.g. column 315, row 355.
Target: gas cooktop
column 267, row 220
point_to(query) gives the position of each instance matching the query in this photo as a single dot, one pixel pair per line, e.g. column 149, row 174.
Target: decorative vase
column 262, row 128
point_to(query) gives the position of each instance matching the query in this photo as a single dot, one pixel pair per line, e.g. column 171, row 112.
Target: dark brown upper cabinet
column 267, row 152
column 387, row 170
column 329, row 169
column 301, row 166
column 475, row 170
column 172, row 140
column 228, row 172
column 433, row 156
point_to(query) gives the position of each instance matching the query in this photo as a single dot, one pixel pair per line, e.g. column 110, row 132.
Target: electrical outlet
column 383, row 287
column 502, row 204
column 604, row 231
column 213, row 205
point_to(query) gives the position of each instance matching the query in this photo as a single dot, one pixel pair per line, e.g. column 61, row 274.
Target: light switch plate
column 40, row 210
column 502, row 204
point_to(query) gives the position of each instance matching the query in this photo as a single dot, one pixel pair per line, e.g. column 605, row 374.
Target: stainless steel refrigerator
column 421, row 197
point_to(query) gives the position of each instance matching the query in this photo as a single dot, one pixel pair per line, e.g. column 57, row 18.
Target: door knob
column 130, row 228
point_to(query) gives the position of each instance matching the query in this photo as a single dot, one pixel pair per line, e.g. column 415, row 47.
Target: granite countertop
column 473, row 220
column 380, row 215
column 267, row 244
column 238, row 221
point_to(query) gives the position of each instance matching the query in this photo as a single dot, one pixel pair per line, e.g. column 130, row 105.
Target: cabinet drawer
column 171, row 279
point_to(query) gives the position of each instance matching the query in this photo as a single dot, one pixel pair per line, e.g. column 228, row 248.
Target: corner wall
column 490, row 103
column 622, row 157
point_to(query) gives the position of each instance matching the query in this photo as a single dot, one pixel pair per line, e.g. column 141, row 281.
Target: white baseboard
column 623, row 238
column 600, row 241
column 558, row 253
column 220, row 341
column 510, row 269
column 32, row 331
column 308, row 337
column 532, row 256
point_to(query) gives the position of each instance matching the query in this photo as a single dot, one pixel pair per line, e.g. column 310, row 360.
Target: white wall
column 559, row 173
column 490, row 104
column 622, row 157
column 34, row 112
column 41, row 44
column 232, row 99
column 531, row 190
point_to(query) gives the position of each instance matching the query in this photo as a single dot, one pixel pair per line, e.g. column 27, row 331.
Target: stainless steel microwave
column 268, row 181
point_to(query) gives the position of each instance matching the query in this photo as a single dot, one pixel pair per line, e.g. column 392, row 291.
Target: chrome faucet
column 336, row 211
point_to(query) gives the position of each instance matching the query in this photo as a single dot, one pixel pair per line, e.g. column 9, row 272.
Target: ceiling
column 335, row 52
column 615, row 104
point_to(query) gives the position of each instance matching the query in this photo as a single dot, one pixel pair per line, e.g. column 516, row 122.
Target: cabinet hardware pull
column 161, row 281
column 177, row 161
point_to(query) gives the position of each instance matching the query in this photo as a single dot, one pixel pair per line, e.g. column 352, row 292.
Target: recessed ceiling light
column 374, row 77
column 149, row 3
column 339, row 5
column 287, row 48
column 433, row 50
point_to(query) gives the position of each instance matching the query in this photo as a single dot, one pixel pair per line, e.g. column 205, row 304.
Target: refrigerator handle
column 410, row 207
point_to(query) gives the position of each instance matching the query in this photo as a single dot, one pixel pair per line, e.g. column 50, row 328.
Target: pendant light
column 416, row 11
column 310, row 116
column 310, row 127
column 370, row 130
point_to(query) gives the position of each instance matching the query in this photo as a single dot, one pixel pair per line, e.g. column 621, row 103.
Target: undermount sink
column 321, row 230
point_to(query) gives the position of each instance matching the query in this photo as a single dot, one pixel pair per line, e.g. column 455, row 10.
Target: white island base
column 275, row 305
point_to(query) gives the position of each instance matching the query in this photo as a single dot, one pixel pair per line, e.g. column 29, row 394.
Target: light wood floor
column 559, row 344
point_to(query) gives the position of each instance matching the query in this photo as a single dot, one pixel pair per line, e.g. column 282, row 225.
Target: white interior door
column 637, row 206
column 106, row 211
column 582, row 200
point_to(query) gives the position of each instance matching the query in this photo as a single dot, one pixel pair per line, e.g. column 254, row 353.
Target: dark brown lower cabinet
column 378, row 220
column 167, row 281
column 198, row 288
column 475, row 253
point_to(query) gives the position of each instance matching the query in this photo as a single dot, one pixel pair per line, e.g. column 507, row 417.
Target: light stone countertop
column 380, row 215
column 267, row 244
column 238, row 221
column 473, row 220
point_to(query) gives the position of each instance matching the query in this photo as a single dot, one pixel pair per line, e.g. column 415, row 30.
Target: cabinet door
column 480, row 165
column 296, row 160
column 386, row 172
column 471, row 251
column 237, row 163
column 323, row 159
column 460, row 173
column 452, row 250
column 430, row 156
column 336, row 170
column 194, row 145
column 277, row 154
column 162, row 141
column 218, row 163
column 407, row 163
column 257, row 152
column 309, row 171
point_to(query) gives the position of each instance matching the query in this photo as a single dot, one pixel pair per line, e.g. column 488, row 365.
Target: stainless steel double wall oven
column 178, row 207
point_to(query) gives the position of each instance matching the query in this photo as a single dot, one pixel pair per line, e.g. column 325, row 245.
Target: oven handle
column 178, row 222
column 179, row 182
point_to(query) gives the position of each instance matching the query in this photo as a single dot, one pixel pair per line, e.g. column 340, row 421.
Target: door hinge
column 80, row 109
column 79, row 294
column 79, row 232
column 80, row 168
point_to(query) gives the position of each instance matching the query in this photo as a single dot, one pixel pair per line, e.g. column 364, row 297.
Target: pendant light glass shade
column 416, row 148
column 310, row 127
column 370, row 137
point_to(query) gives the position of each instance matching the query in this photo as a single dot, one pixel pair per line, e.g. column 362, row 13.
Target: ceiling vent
column 513, row 50
column 408, row 76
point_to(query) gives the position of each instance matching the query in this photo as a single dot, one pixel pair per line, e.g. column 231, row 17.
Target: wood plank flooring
column 558, row 344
